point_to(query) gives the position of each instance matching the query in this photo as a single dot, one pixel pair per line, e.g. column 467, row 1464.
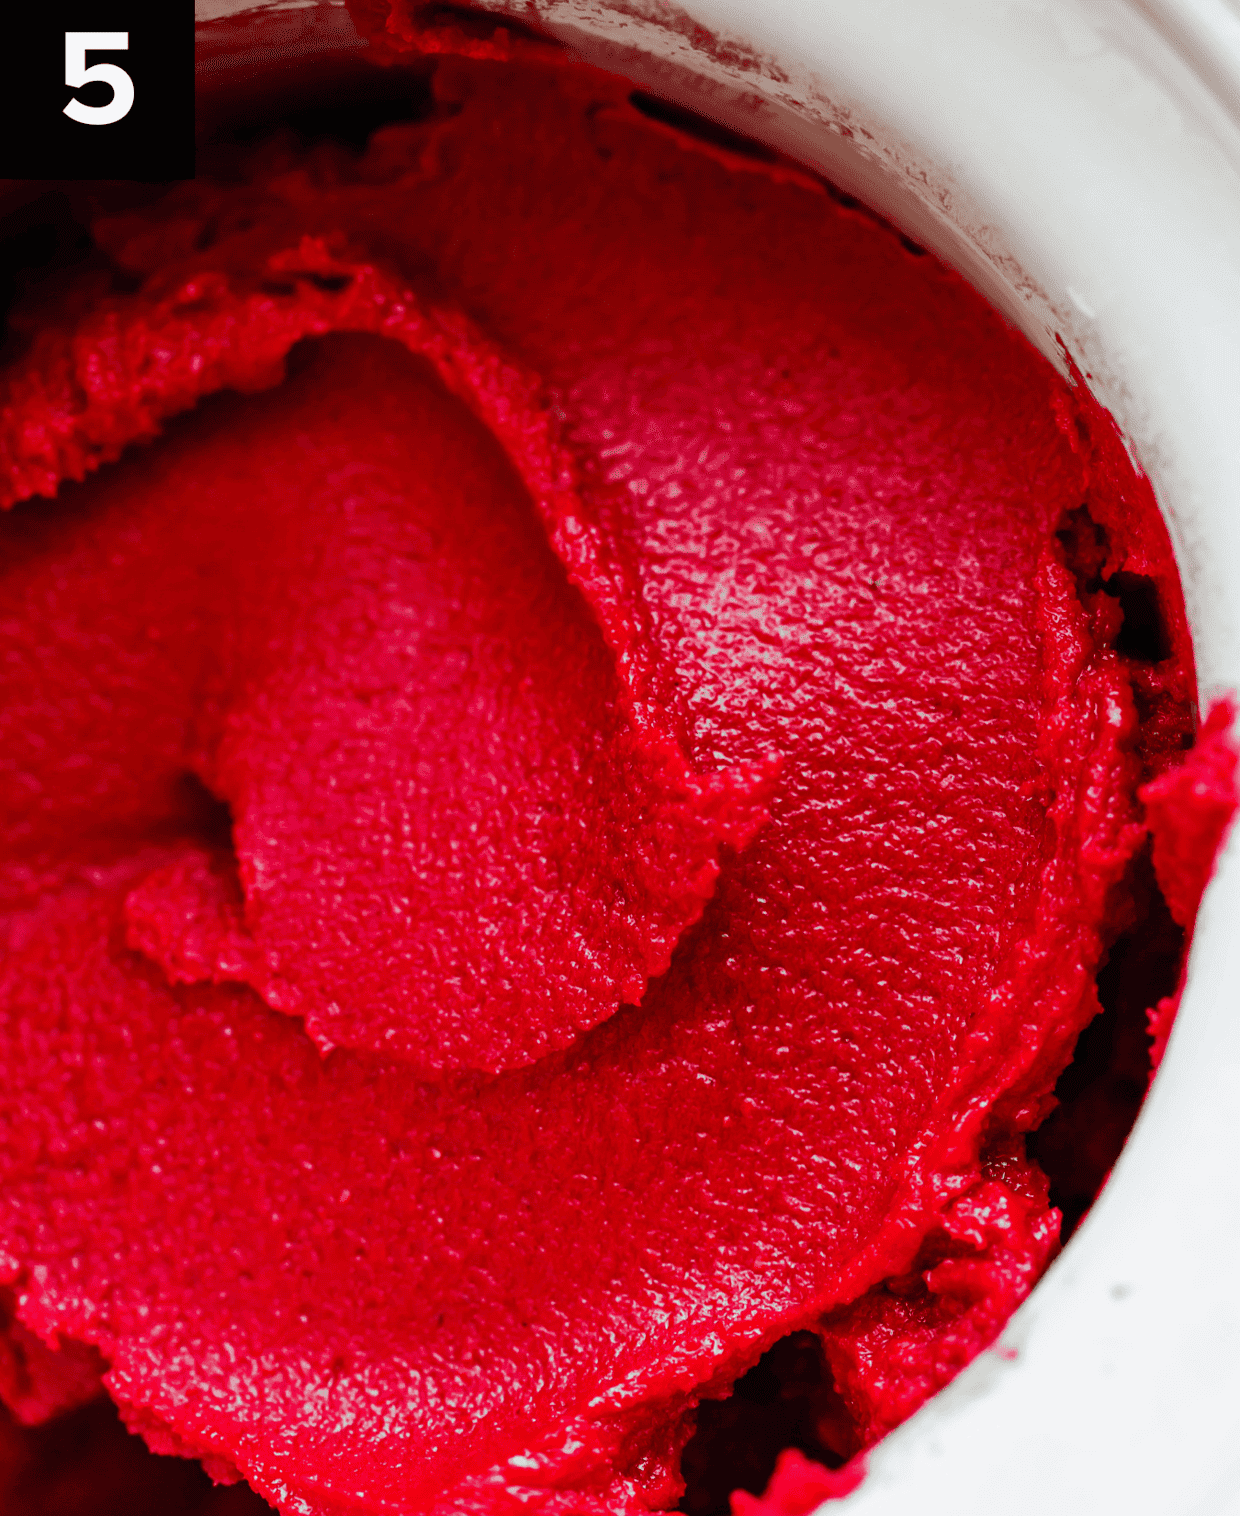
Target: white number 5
column 77, row 45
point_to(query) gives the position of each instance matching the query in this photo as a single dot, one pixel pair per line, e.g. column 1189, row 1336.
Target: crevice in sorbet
column 350, row 118
column 1101, row 1090
column 1099, row 1094
column 51, row 267
column 336, row 103
column 85, row 1463
column 1085, row 548
column 208, row 819
column 700, row 127
column 1143, row 636
column 43, row 236
column 787, row 1400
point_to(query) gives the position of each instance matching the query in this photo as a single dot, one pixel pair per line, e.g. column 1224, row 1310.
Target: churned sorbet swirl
column 576, row 736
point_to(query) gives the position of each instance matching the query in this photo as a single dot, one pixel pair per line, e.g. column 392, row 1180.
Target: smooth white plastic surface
column 1079, row 160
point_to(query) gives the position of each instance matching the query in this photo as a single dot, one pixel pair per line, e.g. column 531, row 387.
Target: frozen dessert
column 575, row 720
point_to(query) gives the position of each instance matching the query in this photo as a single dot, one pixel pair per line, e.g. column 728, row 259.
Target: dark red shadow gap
column 86, row 1464
column 701, row 127
column 787, row 1400
column 1101, row 1091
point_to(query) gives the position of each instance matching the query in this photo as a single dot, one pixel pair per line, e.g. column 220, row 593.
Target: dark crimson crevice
column 207, row 818
column 701, row 127
column 361, row 101
column 1101, row 1091
column 87, row 1464
column 1143, row 636
column 787, row 1400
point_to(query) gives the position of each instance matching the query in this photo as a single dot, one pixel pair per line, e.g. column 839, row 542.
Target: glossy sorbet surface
column 560, row 821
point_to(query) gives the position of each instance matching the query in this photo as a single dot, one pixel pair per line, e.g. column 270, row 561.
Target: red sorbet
column 628, row 495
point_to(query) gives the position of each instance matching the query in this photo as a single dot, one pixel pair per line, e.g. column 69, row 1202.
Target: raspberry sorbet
column 580, row 724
